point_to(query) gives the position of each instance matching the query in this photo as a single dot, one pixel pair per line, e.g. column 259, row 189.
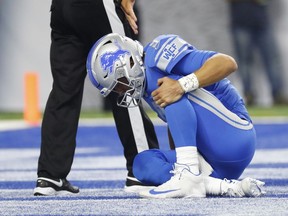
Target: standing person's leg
column 60, row 120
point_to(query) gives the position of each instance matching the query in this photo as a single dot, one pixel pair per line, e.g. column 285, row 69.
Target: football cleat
column 248, row 187
column 183, row 184
column 50, row 187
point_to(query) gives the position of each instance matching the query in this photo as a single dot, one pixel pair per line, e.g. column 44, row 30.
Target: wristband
column 189, row 82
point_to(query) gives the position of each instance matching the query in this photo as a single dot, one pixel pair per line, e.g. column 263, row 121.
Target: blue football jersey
column 170, row 55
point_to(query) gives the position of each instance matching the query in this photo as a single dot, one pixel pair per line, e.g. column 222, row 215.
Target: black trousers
column 76, row 25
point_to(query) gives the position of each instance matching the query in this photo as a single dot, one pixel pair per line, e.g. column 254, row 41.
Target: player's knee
column 152, row 167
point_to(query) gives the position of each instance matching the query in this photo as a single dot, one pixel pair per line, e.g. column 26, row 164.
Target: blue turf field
column 99, row 171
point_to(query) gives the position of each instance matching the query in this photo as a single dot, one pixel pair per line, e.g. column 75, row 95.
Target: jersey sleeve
column 172, row 54
column 192, row 62
column 166, row 51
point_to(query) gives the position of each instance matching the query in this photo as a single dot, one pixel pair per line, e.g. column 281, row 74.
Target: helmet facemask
column 130, row 81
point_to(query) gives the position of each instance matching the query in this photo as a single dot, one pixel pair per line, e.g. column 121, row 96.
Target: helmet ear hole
column 132, row 63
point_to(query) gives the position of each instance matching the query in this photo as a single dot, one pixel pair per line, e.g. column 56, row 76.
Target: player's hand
column 169, row 91
column 127, row 7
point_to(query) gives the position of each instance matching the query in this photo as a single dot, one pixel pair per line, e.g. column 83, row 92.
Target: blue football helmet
column 117, row 60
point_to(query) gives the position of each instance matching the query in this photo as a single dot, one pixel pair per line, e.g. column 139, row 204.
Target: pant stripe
column 211, row 103
column 134, row 113
column 138, row 129
column 115, row 22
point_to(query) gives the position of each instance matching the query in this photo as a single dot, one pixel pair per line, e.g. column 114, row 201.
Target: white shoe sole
column 47, row 191
column 137, row 188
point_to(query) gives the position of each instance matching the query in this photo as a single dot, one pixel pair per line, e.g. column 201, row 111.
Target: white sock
column 188, row 155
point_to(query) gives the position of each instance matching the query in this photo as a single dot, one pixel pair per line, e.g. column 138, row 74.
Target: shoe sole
column 48, row 191
column 137, row 188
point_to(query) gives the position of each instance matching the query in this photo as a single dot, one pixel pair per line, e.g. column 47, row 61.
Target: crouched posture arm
column 214, row 69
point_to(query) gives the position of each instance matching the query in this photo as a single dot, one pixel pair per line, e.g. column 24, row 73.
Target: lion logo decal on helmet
column 108, row 59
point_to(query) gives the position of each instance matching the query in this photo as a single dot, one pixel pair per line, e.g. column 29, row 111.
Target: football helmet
column 115, row 61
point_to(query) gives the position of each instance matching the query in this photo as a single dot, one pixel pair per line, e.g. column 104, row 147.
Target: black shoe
column 48, row 187
column 133, row 185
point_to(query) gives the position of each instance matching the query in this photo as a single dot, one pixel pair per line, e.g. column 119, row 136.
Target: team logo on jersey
column 170, row 51
column 108, row 59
